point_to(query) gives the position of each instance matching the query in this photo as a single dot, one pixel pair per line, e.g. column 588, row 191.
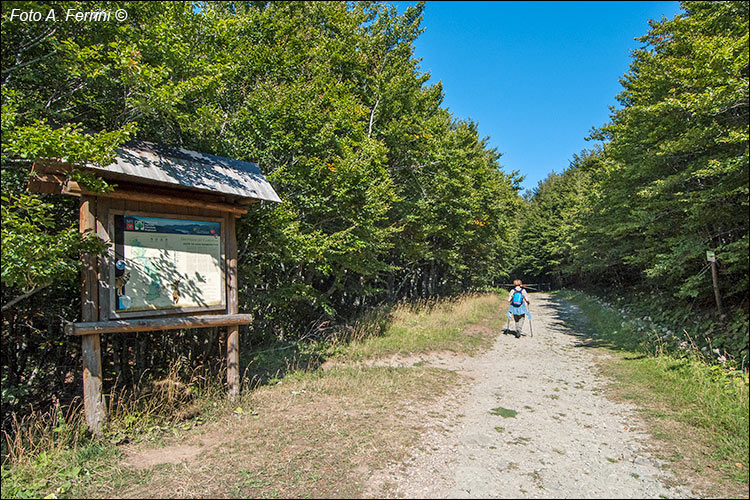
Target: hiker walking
column 517, row 311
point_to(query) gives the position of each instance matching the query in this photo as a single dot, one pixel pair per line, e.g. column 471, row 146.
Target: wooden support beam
column 74, row 189
column 144, row 325
column 94, row 405
column 233, row 332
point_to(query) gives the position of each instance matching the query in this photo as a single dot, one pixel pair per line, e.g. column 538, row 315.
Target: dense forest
column 636, row 216
column 385, row 195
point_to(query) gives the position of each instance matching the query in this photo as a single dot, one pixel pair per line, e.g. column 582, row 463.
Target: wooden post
column 93, row 399
column 711, row 257
column 233, row 332
column 717, row 296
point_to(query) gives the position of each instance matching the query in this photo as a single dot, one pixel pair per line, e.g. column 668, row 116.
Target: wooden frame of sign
column 103, row 309
column 97, row 312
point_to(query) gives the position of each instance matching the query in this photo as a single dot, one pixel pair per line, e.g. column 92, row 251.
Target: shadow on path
column 569, row 319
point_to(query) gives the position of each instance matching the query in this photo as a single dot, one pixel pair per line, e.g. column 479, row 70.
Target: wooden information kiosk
column 172, row 260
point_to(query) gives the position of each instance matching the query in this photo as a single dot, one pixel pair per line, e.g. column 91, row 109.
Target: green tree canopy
column 385, row 194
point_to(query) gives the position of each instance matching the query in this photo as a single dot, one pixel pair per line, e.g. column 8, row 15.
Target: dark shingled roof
column 159, row 164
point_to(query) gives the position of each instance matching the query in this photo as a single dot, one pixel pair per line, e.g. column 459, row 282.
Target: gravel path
column 565, row 440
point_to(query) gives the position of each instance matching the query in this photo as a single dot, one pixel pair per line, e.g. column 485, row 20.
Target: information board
column 166, row 264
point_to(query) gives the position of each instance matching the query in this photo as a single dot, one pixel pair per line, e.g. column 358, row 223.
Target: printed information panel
column 163, row 264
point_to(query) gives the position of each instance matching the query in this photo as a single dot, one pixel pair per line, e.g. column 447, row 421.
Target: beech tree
column 385, row 194
column 670, row 183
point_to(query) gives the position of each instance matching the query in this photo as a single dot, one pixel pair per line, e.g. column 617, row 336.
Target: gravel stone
column 566, row 441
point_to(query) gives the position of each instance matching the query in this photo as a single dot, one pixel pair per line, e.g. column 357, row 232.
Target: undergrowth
column 52, row 452
column 679, row 325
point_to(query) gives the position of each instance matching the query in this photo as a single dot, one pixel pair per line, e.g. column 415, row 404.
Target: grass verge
column 697, row 411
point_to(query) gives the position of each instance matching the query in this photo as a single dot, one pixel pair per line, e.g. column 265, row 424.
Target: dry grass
column 433, row 326
column 44, row 432
column 317, row 436
column 172, row 398
column 52, row 451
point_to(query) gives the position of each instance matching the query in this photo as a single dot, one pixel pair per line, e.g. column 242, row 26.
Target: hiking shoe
column 518, row 334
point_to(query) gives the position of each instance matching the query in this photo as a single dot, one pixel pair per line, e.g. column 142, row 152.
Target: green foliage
column 379, row 185
column 670, row 183
column 678, row 151
column 40, row 247
column 32, row 257
column 67, row 143
column 551, row 222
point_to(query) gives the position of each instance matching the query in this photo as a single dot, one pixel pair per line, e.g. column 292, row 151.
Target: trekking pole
column 531, row 329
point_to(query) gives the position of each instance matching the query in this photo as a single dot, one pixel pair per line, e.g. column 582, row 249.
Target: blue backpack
column 517, row 300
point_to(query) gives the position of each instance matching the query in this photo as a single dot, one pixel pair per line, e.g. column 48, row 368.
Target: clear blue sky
column 534, row 76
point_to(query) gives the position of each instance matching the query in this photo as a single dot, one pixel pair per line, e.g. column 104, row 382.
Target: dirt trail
column 566, row 440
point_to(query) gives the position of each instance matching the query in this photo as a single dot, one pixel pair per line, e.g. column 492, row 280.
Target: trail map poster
column 167, row 264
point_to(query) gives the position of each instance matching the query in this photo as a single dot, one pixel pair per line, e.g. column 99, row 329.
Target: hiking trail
column 530, row 420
